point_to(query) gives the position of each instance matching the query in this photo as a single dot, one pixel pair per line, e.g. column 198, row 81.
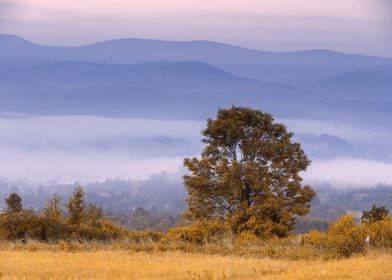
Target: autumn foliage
column 248, row 175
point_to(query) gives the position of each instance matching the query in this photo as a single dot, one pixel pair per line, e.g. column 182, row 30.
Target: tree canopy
column 14, row 203
column 53, row 208
column 248, row 174
column 76, row 206
column 375, row 214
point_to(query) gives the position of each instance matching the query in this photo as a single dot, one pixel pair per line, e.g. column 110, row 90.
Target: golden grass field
column 121, row 264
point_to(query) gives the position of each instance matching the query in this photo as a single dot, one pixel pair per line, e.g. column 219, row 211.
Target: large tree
column 248, row 174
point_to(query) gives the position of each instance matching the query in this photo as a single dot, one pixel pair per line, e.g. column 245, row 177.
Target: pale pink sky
column 361, row 26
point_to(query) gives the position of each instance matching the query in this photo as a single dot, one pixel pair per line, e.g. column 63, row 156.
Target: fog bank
column 35, row 150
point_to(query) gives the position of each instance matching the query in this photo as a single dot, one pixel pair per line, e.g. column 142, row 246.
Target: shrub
column 344, row 237
column 247, row 238
column 14, row 203
column 380, row 233
column 199, row 233
column 102, row 230
column 26, row 225
column 375, row 214
column 146, row 236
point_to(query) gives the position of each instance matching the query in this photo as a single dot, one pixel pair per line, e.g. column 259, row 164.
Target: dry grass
column 122, row 264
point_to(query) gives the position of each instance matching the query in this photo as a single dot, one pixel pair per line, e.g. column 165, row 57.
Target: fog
column 86, row 149
column 350, row 172
column 39, row 150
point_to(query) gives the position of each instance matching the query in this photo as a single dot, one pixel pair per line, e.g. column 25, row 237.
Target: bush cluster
column 343, row 238
column 87, row 223
column 200, row 233
column 26, row 225
column 82, row 222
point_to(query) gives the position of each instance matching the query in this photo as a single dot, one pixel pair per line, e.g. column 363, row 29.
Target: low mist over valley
column 130, row 109
column 209, row 139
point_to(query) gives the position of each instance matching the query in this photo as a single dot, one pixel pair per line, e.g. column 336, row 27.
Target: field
column 122, row 264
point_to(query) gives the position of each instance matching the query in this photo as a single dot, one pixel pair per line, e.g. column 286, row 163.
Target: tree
column 53, row 209
column 93, row 213
column 248, row 174
column 14, row 203
column 75, row 206
column 375, row 214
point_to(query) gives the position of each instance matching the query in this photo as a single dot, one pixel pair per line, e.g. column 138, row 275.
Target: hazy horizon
column 96, row 119
column 88, row 43
column 346, row 26
column 65, row 149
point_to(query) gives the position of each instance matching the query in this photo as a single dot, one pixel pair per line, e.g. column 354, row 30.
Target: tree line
column 80, row 220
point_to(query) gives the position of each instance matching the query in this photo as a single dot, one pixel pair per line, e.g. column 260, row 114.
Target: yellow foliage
column 247, row 238
column 344, row 237
column 199, row 233
column 380, row 233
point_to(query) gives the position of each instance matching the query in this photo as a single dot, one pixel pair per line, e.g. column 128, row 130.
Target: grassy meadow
column 123, row 264
column 86, row 245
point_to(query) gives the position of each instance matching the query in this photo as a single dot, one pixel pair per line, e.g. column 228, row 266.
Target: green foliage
column 248, row 174
column 375, row 214
column 14, row 203
column 75, row 206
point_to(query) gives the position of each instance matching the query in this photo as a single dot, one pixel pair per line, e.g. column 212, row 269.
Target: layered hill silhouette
column 370, row 84
column 295, row 68
column 158, row 89
column 150, row 78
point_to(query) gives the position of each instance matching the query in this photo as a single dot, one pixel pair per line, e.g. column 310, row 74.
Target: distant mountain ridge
column 163, row 79
column 72, row 74
column 373, row 83
column 296, row 68
column 159, row 89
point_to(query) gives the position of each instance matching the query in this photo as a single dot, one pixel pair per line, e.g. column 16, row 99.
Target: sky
column 354, row 26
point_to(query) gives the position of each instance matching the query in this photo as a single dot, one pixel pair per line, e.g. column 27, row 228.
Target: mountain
column 151, row 78
column 295, row 68
column 325, row 146
column 185, row 90
column 154, row 89
column 173, row 75
column 370, row 84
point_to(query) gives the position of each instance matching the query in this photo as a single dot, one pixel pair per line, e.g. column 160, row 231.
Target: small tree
column 248, row 174
column 53, row 209
column 375, row 214
column 93, row 213
column 14, row 203
column 76, row 206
